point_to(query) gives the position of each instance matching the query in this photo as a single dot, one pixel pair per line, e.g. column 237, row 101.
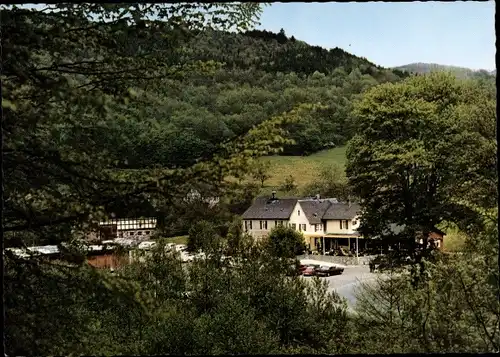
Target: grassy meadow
column 303, row 168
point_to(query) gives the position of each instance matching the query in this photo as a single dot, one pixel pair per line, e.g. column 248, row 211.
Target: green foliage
column 288, row 184
column 459, row 72
column 331, row 182
column 412, row 162
column 75, row 106
column 261, row 173
column 454, row 308
column 247, row 305
column 202, row 236
column 303, row 168
column 285, row 242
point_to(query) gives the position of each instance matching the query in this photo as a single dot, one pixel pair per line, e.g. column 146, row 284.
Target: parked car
column 296, row 270
column 329, row 270
column 181, row 247
column 310, row 270
column 302, row 268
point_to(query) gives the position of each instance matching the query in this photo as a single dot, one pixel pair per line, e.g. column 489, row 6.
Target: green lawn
column 176, row 240
column 454, row 240
column 303, row 168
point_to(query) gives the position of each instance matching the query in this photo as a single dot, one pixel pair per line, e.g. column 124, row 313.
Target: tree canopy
column 415, row 159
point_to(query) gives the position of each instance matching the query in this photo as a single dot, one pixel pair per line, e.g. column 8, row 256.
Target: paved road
column 347, row 283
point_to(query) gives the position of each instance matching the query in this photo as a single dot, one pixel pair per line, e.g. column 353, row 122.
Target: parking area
column 347, row 283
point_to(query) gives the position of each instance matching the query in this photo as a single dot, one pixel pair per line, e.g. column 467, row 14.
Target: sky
column 393, row 34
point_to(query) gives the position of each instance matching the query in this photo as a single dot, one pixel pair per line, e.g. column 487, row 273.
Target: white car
column 169, row 246
column 181, row 247
column 146, row 245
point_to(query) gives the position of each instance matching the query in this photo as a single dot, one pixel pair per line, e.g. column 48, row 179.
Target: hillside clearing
column 303, row 168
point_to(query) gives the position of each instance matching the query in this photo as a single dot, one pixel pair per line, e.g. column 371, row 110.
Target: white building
column 325, row 223
column 135, row 229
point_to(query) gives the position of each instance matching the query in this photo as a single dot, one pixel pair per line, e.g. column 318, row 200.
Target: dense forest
column 255, row 75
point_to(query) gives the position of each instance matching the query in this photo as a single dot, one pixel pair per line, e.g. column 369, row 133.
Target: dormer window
column 298, row 212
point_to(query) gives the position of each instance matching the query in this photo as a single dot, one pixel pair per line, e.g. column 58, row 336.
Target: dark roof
column 266, row 208
column 342, row 211
column 314, row 209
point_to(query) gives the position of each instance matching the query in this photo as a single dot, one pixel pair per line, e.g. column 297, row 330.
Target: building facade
column 327, row 224
column 136, row 230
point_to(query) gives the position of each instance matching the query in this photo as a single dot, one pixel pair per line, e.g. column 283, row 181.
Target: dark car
column 329, row 270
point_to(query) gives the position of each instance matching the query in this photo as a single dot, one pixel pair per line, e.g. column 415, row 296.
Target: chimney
column 273, row 195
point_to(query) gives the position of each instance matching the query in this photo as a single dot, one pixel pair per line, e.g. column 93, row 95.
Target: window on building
column 131, row 234
column 344, row 224
column 147, row 232
column 139, row 233
column 354, row 222
column 317, row 227
column 263, row 224
column 249, row 224
column 304, row 227
column 298, row 212
column 294, row 226
column 300, row 227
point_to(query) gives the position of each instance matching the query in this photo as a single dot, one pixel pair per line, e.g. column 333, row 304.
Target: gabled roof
column 314, row 209
column 342, row 211
column 268, row 209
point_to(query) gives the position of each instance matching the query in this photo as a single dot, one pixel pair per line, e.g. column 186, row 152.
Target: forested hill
column 461, row 72
column 273, row 53
column 257, row 75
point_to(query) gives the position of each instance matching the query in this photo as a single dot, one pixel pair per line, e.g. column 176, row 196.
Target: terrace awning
column 343, row 236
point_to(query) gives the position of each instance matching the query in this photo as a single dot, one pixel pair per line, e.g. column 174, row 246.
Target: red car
column 310, row 270
column 294, row 270
column 302, row 268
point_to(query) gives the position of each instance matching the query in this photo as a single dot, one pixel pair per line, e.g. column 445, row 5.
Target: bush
column 286, row 242
column 289, row 184
column 202, row 236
